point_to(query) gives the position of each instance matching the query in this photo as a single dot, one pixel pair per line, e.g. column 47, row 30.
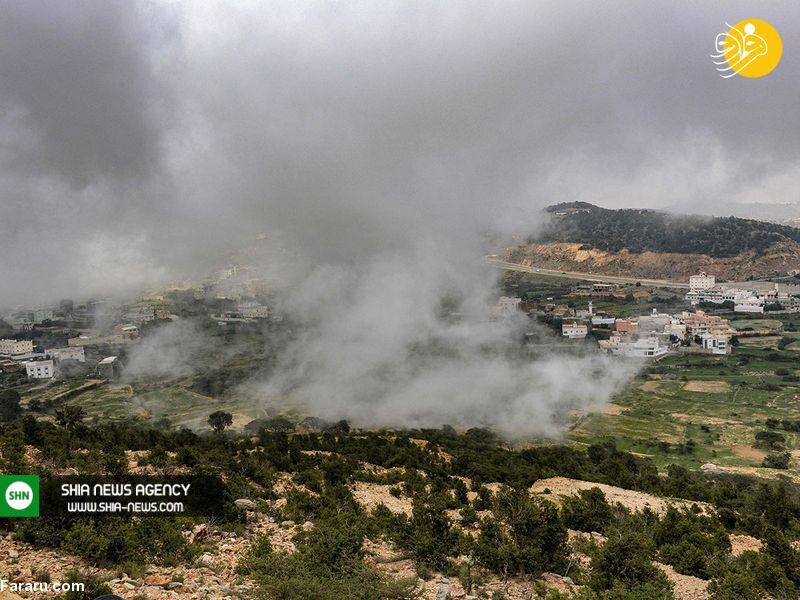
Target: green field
column 691, row 409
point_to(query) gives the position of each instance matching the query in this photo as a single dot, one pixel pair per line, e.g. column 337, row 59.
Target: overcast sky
column 139, row 139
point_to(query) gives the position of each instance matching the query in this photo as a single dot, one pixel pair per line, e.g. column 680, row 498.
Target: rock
column 271, row 519
column 128, row 585
column 308, row 525
column 199, row 533
column 444, row 588
column 568, row 580
column 457, row 592
column 150, row 570
column 13, row 553
column 710, row 468
column 245, row 503
column 287, row 524
column 174, row 585
column 156, row 580
column 6, row 595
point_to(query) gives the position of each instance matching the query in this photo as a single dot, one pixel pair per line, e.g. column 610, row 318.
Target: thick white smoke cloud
column 381, row 346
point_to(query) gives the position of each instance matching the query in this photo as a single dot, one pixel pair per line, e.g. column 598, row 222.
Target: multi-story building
column 701, row 282
column 254, row 310
column 626, row 326
column 506, row 306
column 40, row 369
column 71, row 353
column 15, row 347
column 574, row 330
column 649, row 347
column 750, row 305
column 715, row 343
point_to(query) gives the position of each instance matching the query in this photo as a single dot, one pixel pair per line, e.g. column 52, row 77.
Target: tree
column 70, row 417
column 431, row 537
column 776, row 460
column 588, row 511
column 627, row 559
column 10, row 409
column 219, row 420
column 526, row 536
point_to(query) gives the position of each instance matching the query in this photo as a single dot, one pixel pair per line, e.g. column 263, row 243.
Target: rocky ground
column 779, row 259
column 213, row 575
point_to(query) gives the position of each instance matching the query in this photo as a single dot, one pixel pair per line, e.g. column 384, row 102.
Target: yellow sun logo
column 751, row 48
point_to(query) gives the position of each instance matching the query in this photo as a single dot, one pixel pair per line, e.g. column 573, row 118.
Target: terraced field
column 691, row 410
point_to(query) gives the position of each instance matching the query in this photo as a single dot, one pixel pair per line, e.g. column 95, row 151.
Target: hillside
column 639, row 230
column 645, row 243
column 424, row 514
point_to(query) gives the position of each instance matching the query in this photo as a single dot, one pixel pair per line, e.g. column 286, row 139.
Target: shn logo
column 20, row 496
column 751, row 48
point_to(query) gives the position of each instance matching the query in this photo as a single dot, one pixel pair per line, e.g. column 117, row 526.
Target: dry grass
column 708, row 387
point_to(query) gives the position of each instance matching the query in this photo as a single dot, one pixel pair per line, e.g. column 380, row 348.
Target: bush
column 625, row 560
column 526, row 536
column 779, row 460
column 327, row 566
column 588, row 511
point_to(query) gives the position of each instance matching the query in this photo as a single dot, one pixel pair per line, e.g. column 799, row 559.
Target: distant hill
column 642, row 230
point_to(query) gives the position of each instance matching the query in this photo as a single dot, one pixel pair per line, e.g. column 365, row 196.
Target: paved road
column 660, row 283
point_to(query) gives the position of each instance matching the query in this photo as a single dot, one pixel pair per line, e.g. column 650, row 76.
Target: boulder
column 444, row 589
column 245, row 503
column 156, row 580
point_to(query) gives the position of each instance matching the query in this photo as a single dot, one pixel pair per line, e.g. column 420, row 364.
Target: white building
column 109, row 367
column 507, row 306
column 701, row 282
column 253, row 310
column 39, row 369
column 71, row 353
column 715, row 344
column 603, row 320
column 574, row 330
column 649, row 347
column 750, row 305
column 676, row 328
column 14, row 347
column 655, row 322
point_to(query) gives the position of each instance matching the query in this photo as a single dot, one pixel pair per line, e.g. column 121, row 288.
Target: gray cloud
column 181, row 129
column 378, row 142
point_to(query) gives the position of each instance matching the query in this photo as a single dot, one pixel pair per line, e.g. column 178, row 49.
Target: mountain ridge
column 648, row 230
column 647, row 243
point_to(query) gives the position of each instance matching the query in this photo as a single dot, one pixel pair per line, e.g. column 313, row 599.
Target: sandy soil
column 708, row 387
column 650, row 386
column 704, row 419
column 686, row 586
column 563, row 486
column 370, row 495
column 749, row 453
column 742, row 543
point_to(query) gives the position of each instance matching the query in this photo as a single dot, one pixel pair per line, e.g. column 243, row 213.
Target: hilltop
column 644, row 230
column 648, row 243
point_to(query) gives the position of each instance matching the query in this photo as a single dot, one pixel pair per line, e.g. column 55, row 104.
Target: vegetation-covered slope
column 639, row 230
